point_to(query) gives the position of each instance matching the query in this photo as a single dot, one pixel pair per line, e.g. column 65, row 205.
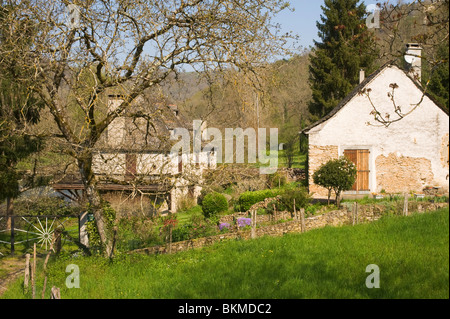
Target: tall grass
column 412, row 254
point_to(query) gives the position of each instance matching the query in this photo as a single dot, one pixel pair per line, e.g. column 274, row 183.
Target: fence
column 21, row 232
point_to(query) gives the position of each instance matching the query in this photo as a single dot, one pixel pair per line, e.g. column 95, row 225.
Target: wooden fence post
column 33, row 273
column 302, row 217
column 405, row 205
column 295, row 211
column 12, row 234
column 55, row 293
column 253, row 212
column 27, row 272
column 170, row 238
column 55, row 241
column 355, row 213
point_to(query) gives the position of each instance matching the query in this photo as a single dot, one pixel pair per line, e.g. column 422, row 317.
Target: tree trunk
column 338, row 200
column 95, row 202
column 9, row 211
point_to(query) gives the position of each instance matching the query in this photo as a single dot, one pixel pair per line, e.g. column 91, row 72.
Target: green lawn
column 412, row 254
column 299, row 161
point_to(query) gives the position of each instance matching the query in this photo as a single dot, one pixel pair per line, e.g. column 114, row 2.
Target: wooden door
column 130, row 170
column 361, row 160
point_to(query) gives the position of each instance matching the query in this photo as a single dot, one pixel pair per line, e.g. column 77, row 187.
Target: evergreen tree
column 18, row 108
column 346, row 47
column 439, row 81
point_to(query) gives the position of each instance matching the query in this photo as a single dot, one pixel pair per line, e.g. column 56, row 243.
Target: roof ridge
column 360, row 86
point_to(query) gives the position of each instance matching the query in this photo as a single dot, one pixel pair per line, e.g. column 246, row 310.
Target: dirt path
column 10, row 269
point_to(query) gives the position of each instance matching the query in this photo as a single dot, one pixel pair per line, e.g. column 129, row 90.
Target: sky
column 303, row 20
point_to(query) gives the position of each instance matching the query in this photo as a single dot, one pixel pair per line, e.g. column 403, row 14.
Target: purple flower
column 242, row 222
column 224, row 225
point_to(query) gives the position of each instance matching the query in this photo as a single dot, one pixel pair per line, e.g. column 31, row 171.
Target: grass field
column 412, row 254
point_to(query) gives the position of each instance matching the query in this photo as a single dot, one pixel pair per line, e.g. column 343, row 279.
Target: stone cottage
column 397, row 135
column 134, row 155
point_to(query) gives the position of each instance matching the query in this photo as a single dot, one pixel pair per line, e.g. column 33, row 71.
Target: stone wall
column 319, row 155
column 260, row 219
column 293, row 174
column 367, row 213
column 403, row 174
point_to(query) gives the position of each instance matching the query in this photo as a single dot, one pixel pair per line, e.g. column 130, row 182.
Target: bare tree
column 86, row 48
column 425, row 22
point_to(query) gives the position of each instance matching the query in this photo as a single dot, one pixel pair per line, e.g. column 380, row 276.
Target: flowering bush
column 243, row 222
column 223, row 226
column 170, row 223
column 338, row 175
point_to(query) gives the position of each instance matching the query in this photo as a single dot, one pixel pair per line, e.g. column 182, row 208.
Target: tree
column 338, row 175
column 425, row 23
column 346, row 47
column 19, row 108
column 130, row 46
column 289, row 136
column 439, row 79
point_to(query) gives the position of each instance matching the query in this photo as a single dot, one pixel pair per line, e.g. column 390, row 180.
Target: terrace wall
column 366, row 213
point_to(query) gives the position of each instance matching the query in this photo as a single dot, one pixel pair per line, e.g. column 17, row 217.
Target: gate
column 19, row 233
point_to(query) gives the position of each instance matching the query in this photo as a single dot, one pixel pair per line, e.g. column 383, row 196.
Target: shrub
column 109, row 215
column 248, row 199
column 136, row 232
column 213, row 204
column 300, row 195
column 181, row 233
column 337, row 175
column 196, row 228
column 45, row 206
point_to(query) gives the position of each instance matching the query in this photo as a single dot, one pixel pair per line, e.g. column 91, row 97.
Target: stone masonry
column 319, row 155
column 367, row 213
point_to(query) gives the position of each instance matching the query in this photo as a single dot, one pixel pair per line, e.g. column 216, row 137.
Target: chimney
column 116, row 130
column 362, row 76
column 114, row 101
column 413, row 58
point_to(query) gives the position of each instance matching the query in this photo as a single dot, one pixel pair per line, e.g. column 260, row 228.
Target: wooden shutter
column 131, row 163
column 363, row 170
column 361, row 160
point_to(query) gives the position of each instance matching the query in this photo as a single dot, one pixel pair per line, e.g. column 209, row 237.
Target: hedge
column 248, row 199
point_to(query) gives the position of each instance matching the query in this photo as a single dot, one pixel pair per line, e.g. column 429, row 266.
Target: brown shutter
column 131, row 163
column 363, row 170
column 361, row 160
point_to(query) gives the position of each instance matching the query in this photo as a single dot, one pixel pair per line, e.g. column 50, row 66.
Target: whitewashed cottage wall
column 406, row 156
